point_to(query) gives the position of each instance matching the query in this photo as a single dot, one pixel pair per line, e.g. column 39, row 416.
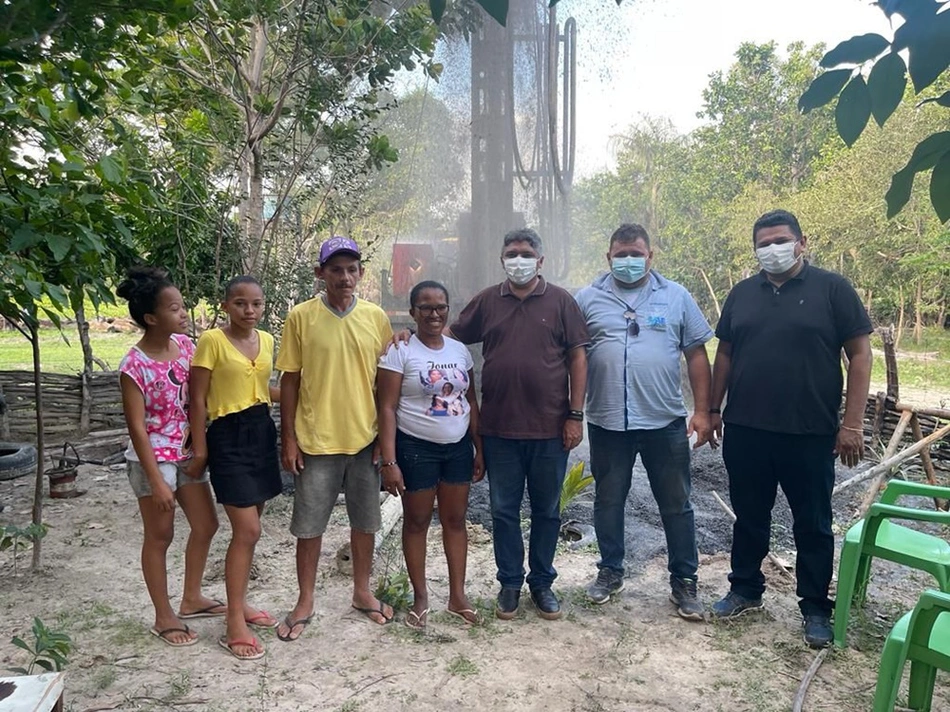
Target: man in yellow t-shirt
column 328, row 355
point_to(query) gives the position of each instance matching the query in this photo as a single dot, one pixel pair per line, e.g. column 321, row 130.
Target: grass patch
column 58, row 356
column 461, row 666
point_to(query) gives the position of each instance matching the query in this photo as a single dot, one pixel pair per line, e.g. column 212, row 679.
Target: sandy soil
column 631, row 654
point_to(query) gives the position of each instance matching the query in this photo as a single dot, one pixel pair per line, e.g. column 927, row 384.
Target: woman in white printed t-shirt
column 429, row 444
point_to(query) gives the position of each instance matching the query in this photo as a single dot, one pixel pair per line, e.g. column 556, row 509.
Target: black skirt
column 243, row 459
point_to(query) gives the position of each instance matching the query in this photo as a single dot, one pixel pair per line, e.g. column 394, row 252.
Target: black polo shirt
column 786, row 373
column 525, row 393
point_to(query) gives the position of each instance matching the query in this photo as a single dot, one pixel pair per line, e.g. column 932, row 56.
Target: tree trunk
column 900, row 318
column 85, row 405
column 712, row 292
column 919, row 312
column 869, row 301
column 942, row 314
column 255, row 211
column 38, row 488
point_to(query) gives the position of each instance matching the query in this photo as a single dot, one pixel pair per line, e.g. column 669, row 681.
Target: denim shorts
column 173, row 473
column 323, row 477
column 425, row 464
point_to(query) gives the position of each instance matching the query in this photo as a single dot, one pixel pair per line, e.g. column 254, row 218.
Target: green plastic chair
column 877, row 536
column 923, row 637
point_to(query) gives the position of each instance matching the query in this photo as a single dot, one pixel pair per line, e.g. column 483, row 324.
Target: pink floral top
column 165, row 387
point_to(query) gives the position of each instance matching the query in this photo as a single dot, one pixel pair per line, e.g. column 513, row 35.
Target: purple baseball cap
column 338, row 245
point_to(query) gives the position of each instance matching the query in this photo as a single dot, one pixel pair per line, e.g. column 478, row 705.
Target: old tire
column 16, row 460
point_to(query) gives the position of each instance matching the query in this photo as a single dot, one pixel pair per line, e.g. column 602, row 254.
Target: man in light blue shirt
column 639, row 324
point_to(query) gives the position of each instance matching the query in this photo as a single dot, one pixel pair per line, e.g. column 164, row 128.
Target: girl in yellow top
column 230, row 375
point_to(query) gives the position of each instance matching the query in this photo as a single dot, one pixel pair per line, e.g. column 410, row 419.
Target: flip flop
column 262, row 619
column 464, row 614
column 205, row 612
column 291, row 624
column 251, row 643
column 419, row 618
column 162, row 636
column 369, row 612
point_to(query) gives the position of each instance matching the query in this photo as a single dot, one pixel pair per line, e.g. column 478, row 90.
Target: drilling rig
column 522, row 154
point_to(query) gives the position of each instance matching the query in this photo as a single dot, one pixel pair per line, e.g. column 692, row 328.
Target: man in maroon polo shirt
column 534, row 340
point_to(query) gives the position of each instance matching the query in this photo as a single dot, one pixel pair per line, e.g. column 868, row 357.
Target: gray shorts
column 319, row 483
column 172, row 472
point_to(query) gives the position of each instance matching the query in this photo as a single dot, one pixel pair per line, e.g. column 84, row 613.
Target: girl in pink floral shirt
column 154, row 381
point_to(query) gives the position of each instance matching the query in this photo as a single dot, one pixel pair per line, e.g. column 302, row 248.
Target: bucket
column 62, row 476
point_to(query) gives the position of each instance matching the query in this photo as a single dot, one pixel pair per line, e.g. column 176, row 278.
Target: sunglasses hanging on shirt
column 632, row 325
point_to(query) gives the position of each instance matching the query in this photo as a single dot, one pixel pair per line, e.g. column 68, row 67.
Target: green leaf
column 437, row 9
column 898, row 194
column 928, row 51
column 853, row 110
column 940, row 188
column 34, row 288
column 942, row 100
column 928, row 152
column 20, row 643
column 823, row 89
column 886, row 85
column 24, row 237
column 111, row 170
column 857, row 50
column 498, row 9
column 59, row 245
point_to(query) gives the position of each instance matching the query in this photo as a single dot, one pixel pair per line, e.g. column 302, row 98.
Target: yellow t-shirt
column 336, row 356
column 237, row 382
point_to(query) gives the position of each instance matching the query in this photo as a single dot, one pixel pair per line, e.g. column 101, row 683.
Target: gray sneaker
column 734, row 604
column 683, row 596
column 607, row 583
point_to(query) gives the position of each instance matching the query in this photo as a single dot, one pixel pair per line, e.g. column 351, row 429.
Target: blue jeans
column 665, row 455
column 510, row 464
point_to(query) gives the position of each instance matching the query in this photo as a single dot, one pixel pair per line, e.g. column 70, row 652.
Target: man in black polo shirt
column 533, row 338
column 780, row 337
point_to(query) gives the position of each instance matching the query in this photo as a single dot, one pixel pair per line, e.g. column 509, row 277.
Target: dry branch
column 900, row 457
column 892, row 446
column 799, row 701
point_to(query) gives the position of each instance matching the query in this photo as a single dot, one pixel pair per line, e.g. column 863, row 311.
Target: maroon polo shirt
column 525, row 387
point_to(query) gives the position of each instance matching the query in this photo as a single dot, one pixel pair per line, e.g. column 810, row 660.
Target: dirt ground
column 633, row 653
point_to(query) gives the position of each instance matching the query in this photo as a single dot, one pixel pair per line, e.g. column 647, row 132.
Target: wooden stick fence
column 73, row 404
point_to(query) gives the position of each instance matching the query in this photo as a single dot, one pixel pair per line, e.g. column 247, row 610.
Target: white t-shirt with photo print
column 433, row 404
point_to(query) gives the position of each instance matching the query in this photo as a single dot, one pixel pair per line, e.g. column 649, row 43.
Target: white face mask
column 521, row 270
column 777, row 259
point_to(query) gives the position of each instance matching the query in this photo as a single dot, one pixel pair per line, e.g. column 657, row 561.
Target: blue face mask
column 628, row 269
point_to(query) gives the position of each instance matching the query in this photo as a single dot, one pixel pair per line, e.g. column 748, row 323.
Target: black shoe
column 547, row 604
column 506, row 606
column 816, row 631
column 683, row 596
column 607, row 583
column 733, row 605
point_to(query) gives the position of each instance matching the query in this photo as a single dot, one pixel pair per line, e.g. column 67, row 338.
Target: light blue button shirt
column 633, row 382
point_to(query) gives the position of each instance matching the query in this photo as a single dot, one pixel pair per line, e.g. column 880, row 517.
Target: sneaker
column 506, row 607
column 607, row 583
column 734, row 604
column 816, row 631
column 683, row 596
column 547, row 604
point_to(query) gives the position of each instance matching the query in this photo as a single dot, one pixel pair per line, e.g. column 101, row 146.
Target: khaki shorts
column 323, row 477
column 172, row 472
